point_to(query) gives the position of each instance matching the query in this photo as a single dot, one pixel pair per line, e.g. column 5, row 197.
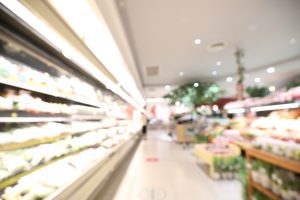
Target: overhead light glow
column 196, row 84
column 215, row 108
column 257, row 80
column 155, row 100
column 292, row 41
column 218, row 63
column 229, row 79
column 214, row 73
column 197, row 41
column 275, row 107
column 93, row 30
column 177, row 103
column 236, row 111
column 68, row 50
column 167, row 87
column 272, row 88
column 270, row 70
column 181, row 73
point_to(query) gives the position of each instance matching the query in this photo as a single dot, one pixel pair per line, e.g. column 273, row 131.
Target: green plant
column 260, row 196
column 293, row 84
column 204, row 93
column 201, row 138
column 257, row 91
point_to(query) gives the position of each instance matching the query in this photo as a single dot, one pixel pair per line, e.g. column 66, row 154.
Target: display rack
column 71, row 106
column 279, row 161
column 23, row 86
column 49, row 119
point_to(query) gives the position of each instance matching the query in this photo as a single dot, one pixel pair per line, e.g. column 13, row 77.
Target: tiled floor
column 164, row 170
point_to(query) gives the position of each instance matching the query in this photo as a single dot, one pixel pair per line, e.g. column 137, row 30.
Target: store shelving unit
column 31, row 88
column 279, row 161
column 116, row 137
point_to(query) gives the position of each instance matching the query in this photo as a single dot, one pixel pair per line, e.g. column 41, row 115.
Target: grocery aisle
column 162, row 169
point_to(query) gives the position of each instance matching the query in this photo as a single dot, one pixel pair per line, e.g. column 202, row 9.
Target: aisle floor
column 164, row 170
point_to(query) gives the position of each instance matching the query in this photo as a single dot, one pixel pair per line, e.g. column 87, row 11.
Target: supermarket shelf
column 265, row 191
column 275, row 160
column 31, row 143
column 14, row 178
column 33, row 119
column 35, row 142
column 50, row 119
column 83, row 186
column 41, row 91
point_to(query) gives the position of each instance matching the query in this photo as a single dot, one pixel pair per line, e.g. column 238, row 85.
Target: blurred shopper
column 144, row 123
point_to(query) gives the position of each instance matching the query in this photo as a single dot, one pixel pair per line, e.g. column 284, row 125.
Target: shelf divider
column 265, row 191
column 280, row 161
column 41, row 91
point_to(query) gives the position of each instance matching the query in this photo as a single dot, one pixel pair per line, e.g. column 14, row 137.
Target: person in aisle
column 144, row 128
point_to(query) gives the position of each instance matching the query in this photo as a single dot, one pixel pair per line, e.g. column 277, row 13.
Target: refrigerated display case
column 62, row 132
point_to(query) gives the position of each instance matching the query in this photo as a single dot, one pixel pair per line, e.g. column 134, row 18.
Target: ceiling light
column 181, row 73
column 275, row 107
column 177, row 103
column 272, row 88
column 270, row 70
column 218, row 63
column 196, row 84
column 292, row 41
column 167, row 87
column 229, row 79
column 236, row 111
column 214, row 72
column 257, row 80
column 197, row 41
column 155, row 100
column 215, row 108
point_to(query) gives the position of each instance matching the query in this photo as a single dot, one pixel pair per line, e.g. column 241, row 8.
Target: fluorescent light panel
column 236, row 111
column 57, row 41
column 275, row 107
column 95, row 33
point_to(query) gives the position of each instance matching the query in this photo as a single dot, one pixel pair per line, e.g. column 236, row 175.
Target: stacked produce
column 281, row 97
column 46, row 181
column 288, row 149
column 43, row 131
column 69, row 87
column 281, row 182
column 24, row 101
column 228, row 167
column 18, row 161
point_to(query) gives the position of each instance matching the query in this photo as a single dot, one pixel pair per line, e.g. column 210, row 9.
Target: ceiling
column 162, row 33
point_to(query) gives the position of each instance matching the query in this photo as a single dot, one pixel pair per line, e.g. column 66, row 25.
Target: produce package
column 283, row 183
column 288, row 149
column 227, row 167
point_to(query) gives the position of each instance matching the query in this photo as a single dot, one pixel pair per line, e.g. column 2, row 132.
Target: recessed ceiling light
column 214, row 73
column 167, row 87
column 177, row 103
column 215, row 108
column 218, row 63
column 292, row 41
column 272, row 88
column 181, row 73
column 197, row 41
column 270, row 70
column 196, row 84
column 229, row 79
column 257, row 80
